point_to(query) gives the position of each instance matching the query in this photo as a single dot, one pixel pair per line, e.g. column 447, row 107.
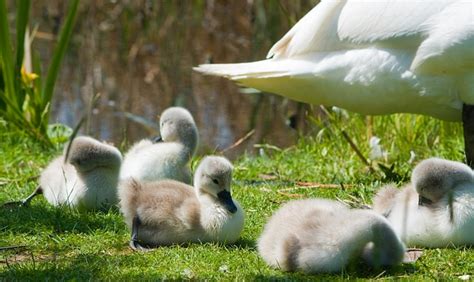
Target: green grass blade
column 6, row 53
column 73, row 136
column 58, row 54
column 3, row 105
column 8, row 102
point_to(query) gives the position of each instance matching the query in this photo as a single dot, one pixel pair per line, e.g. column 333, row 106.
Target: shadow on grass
column 40, row 216
column 349, row 274
column 244, row 244
column 133, row 266
column 241, row 244
column 80, row 267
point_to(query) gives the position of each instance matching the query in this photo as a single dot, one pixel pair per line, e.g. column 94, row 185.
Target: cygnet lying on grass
column 168, row 157
column 436, row 209
column 170, row 212
column 316, row 235
column 87, row 179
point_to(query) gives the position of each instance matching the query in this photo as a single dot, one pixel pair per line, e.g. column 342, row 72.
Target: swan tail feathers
column 243, row 71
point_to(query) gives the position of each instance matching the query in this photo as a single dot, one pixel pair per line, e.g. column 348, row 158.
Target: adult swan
column 374, row 57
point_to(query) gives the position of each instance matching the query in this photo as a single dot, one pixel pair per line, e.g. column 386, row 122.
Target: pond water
column 135, row 58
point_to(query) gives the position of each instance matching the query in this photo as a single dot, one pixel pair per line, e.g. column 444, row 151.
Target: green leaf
column 58, row 54
column 73, row 135
column 6, row 54
column 11, row 106
column 59, row 133
column 3, row 105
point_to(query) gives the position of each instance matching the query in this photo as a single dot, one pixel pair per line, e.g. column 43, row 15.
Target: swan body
column 87, row 179
column 150, row 161
column 436, row 209
column 316, row 235
column 170, row 212
column 375, row 57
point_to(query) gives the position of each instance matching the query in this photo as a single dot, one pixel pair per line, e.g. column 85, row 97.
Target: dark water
column 136, row 58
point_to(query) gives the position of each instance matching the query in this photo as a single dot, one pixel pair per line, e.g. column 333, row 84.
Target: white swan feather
column 372, row 57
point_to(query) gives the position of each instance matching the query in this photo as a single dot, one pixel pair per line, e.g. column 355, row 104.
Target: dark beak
column 156, row 139
column 422, row 201
column 226, row 199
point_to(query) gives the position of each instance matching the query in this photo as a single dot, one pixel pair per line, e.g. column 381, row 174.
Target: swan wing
column 351, row 24
column 439, row 33
column 316, row 31
column 398, row 23
column 449, row 45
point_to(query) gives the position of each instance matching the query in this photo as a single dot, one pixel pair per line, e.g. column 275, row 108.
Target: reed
column 25, row 93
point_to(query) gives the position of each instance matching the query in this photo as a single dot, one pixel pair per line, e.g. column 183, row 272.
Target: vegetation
column 61, row 243
column 25, row 95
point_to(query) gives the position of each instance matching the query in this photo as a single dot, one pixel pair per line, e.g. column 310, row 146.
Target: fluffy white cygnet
column 87, row 179
column 316, row 235
column 170, row 212
column 150, row 161
column 436, row 209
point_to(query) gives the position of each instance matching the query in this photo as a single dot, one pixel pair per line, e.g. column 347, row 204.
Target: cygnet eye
column 76, row 162
column 167, row 121
column 215, row 181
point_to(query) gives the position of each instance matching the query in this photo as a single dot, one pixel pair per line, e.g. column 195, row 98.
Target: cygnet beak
column 422, row 201
column 226, row 199
column 156, row 139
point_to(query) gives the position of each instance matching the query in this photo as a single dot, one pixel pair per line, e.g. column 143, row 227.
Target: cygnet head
column 177, row 125
column 87, row 154
column 434, row 177
column 213, row 177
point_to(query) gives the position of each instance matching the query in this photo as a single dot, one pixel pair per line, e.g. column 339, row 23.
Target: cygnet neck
column 189, row 140
column 190, row 144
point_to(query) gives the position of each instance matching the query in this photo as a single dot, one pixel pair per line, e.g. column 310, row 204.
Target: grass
column 63, row 244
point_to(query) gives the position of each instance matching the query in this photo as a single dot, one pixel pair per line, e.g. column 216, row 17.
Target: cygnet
column 87, row 179
column 436, row 209
column 170, row 212
column 166, row 157
column 316, row 236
